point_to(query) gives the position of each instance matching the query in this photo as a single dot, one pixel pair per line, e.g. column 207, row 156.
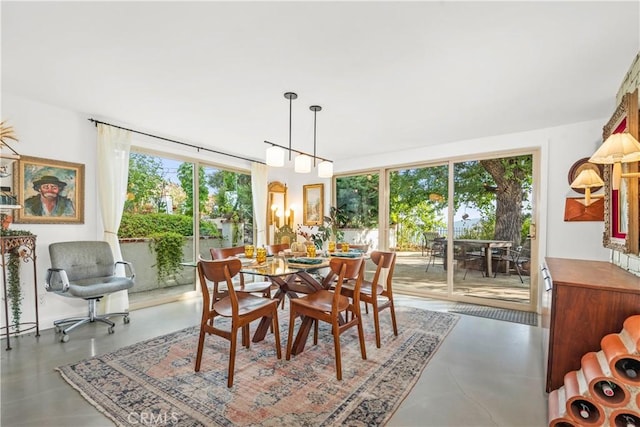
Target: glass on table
column 332, row 246
column 345, row 247
column 248, row 251
column 311, row 251
column 261, row 255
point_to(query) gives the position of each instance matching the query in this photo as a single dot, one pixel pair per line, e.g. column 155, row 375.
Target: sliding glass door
column 491, row 246
column 418, row 210
column 461, row 229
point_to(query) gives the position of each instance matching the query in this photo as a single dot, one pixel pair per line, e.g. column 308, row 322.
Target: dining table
column 292, row 277
column 296, row 277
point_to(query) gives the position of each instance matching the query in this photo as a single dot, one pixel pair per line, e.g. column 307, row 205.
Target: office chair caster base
column 126, row 320
column 64, row 337
column 110, row 330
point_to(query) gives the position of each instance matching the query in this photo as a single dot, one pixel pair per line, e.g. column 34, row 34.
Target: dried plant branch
column 7, row 132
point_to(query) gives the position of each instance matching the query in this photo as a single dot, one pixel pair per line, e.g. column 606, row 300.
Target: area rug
column 515, row 316
column 154, row 381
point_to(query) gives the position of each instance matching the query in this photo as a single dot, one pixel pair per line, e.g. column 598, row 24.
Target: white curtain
column 113, row 172
column 259, row 190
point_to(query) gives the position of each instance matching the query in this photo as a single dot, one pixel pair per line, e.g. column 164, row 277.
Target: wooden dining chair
column 370, row 291
column 274, row 249
column 242, row 308
column 327, row 305
column 262, row 287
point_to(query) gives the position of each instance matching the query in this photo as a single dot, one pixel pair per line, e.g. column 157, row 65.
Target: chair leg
column 276, row 330
column 336, row 344
column 518, row 271
column 232, row 357
column 376, row 324
column 363, row 349
column 315, row 331
column 246, row 336
column 200, row 347
column 393, row 317
column 292, row 318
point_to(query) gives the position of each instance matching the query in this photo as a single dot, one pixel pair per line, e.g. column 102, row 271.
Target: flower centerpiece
column 311, row 235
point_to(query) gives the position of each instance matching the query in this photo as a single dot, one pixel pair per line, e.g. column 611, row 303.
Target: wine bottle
column 584, row 411
column 630, row 421
column 607, row 388
column 629, row 369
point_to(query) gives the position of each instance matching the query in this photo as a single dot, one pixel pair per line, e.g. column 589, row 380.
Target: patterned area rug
column 515, row 316
column 154, row 381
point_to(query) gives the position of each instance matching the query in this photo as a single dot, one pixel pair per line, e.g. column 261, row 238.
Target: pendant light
column 302, row 162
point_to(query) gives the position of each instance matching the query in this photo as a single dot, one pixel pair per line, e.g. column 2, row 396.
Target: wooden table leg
column 261, row 330
column 303, row 334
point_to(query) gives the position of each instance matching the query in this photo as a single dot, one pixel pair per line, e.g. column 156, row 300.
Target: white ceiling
column 388, row 75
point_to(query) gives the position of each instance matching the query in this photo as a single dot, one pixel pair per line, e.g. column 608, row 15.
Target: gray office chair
column 86, row 270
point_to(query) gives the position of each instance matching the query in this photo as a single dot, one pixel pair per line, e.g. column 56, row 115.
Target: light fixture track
column 273, row 144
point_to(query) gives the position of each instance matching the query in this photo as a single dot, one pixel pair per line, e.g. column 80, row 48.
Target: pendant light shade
column 302, row 163
column 325, row 169
column 275, row 156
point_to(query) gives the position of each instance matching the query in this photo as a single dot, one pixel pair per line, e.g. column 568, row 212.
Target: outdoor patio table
column 487, row 246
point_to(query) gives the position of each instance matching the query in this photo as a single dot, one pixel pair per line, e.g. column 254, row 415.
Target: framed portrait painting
column 313, row 204
column 49, row 191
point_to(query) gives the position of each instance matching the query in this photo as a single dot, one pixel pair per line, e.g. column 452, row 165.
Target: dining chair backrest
column 217, row 271
column 345, row 269
column 274, row 249
column 384, row 261
column 222, row 253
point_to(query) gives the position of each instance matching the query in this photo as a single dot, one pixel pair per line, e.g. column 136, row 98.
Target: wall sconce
column 275, row 153
column 288, row 217
column 617, row 149
column 586, row 180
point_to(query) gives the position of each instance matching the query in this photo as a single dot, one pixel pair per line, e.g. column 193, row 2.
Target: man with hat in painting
column 49, row 201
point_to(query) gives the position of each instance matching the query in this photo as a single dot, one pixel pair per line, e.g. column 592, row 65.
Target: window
column 163, row 199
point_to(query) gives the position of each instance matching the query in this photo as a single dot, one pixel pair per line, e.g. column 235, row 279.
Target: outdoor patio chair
column 437, row 249
column 517, row 258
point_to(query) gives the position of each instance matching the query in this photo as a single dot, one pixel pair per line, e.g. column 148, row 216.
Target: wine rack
column 605, row 391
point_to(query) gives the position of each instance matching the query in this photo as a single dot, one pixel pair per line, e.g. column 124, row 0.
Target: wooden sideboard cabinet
column 589, row 299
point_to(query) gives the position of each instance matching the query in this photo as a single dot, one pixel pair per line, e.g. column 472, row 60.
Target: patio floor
column 409, row 278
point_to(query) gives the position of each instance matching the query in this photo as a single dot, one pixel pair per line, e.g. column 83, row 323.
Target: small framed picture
column 313, row 204
column 49, row 191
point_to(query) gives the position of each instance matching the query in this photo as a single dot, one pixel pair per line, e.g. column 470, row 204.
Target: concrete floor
column 486, row 372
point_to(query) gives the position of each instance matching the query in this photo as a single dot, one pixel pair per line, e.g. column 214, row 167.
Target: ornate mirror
column 621, row 213
column 276, row 208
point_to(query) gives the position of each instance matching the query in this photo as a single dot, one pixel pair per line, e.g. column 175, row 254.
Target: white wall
column 54, row 133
